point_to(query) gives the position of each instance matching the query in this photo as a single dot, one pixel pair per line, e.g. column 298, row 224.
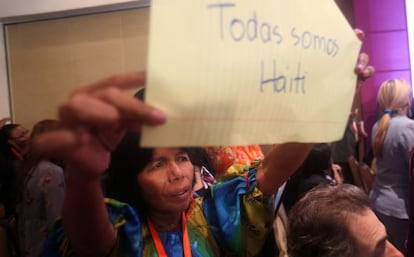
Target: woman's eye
column 157, row 164
column 183, row 158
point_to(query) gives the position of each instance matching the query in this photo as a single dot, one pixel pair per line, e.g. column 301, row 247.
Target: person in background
column 346, row 147
column 41, row 192
column 4, row 121
column 223, row 157
column 316, row 169
column 203, row 171
column 13, row 144
column 393, row 138
column 14, row 139
column 337, row 221
column 410, row 237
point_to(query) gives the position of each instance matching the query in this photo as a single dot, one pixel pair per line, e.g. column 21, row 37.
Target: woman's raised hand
column 95, row 118
column 363, row 69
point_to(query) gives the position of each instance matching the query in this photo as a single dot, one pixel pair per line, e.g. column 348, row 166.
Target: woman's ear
column 408, row 103
column 407, row 107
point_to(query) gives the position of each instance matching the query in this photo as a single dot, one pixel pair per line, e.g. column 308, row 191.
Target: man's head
column 333, row 221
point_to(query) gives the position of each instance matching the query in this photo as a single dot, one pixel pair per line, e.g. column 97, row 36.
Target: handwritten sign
column 231, row 72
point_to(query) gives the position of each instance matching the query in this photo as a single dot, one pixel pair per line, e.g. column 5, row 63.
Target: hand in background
column 363, row 69
column 4, row 120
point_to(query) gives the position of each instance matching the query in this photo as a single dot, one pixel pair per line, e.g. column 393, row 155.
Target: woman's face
column 19, row 137
column 166, row 181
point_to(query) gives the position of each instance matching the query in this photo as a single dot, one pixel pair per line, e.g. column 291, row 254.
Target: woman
column 203, row 171
column 13, row 146
column 316, row 169
column 393, row 138
column 160, row 215
column 41, row 195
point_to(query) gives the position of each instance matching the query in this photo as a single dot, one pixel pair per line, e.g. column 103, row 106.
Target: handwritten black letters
column 274, row 77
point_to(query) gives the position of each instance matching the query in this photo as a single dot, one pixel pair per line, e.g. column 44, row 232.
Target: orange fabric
column 225, row 156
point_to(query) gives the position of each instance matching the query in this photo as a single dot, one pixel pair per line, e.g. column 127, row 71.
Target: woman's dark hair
column 7, row 169
column 200, row 157
column 318, row 160
column 5, row 133
column 127, row 161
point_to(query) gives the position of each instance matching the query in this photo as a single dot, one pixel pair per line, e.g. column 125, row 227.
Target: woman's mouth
column 183, row 193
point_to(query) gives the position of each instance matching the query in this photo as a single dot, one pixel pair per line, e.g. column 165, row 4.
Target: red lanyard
column 158, row 244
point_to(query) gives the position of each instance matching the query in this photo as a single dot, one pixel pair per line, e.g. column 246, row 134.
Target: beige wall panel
column 137, row 43
column 48, row 59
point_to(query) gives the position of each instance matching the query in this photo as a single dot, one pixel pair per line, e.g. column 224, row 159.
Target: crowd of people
column 32, row 188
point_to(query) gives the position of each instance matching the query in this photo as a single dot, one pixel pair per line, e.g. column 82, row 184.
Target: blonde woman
column 393, row 137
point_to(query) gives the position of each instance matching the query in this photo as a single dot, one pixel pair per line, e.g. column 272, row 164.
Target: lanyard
column 158, row 244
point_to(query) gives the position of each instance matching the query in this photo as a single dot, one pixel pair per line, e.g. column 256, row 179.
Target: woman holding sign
column 158, row 216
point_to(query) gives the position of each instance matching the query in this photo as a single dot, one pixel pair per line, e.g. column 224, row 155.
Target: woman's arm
column 84, row 216
column 280, row 162
column 95, row 118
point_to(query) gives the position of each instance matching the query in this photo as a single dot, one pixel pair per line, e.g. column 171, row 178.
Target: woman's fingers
column 368, row 71
column 363, row 61
column 123, row 81
column 109, row 108
column 94, row 119
column 75, row 147
column 131, row 109
column 360, row 34
column 56, row 144
column 109, row 138
column 86, row 110
column 363, row 69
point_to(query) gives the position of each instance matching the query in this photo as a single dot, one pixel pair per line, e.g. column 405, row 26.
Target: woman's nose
column 174, row 172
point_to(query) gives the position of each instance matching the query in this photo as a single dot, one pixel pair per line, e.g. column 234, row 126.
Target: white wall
column 16, row 8
column 4, row 92
column 22, row 10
